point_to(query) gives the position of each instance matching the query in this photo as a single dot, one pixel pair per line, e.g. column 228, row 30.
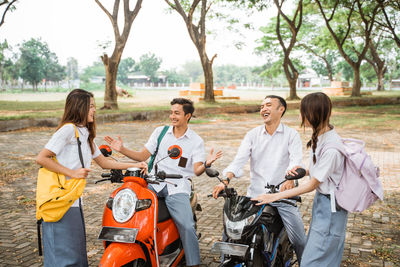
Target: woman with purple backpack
column 327, row 232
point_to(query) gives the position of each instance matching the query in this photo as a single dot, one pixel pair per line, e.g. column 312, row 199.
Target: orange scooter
column 137, row 228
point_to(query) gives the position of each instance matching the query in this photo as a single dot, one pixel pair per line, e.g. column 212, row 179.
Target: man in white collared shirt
column 189, row 164
column 273, row 149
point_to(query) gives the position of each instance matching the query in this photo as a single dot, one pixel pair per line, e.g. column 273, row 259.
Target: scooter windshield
column 238, row 208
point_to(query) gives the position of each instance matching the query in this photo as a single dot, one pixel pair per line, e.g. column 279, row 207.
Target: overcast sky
column 73, row 28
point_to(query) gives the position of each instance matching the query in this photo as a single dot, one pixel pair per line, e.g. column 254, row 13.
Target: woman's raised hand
column 211, row 158
column 115, row 144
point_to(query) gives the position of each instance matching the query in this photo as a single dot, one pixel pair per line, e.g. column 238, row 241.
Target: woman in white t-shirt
column 325, row 241
column 64, row 242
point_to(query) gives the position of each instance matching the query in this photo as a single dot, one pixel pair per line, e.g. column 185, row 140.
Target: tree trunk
column 292, row 86
column 111, row 64
column 329, row 69
column 208, row 80
column 291, row 76
column 356, row 90
column 380, row 74
column 110, row 93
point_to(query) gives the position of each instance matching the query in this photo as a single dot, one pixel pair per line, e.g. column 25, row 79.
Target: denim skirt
column 64, row 242
column 326, row 236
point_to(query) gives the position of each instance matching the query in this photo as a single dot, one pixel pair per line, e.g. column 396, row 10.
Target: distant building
column 139, row 78
column 97, row 79
column 309, row 78
column 395, row 84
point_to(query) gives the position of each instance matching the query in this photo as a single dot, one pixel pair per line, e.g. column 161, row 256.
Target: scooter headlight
column 124, row 205
column 234, row 230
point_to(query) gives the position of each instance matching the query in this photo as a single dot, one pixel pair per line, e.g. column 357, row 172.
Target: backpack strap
column 160, row 137
column 323, row 149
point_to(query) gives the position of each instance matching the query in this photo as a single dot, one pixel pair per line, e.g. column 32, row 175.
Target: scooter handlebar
column 173, row 176
column 162, row 175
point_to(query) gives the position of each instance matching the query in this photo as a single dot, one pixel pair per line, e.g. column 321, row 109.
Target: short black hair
column 281, row 100
column 187, row 105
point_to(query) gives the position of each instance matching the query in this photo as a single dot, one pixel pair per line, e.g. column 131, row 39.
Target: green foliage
column 53, row 71
column 344, row 71
column 392, row 64
column 193, row 70
column 32, row 61
column 149, row 65
column 174, row 77
column 72, row 69
column 126, row 66
column 37, row 62
column 368, row 74
column 228, row 74
column 97, row 69
column 8, row 68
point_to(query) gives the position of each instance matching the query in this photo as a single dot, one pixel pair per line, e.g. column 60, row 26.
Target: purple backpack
column 359, row 186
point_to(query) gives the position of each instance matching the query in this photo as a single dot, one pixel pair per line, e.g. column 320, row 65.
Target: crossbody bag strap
column 79, row 145
column 160, row 137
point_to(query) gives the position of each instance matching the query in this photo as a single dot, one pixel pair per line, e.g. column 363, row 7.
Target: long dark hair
column 315, row 108
column 76, row 111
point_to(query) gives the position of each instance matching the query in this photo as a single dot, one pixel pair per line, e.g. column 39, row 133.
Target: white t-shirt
column 329, row 164
column 192, row 146
column 63, row 143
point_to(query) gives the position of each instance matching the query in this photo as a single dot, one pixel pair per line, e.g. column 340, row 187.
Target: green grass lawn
column 21, row 110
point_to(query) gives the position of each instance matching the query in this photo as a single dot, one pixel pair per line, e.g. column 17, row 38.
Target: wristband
column 227, row 179
column 205, row 165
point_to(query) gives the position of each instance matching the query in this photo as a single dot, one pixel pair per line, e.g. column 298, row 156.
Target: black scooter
column 255, row 235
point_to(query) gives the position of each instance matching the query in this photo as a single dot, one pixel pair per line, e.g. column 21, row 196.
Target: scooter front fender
column 118, row 254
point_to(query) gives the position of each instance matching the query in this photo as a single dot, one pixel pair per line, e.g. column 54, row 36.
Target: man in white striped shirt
column 273, row 149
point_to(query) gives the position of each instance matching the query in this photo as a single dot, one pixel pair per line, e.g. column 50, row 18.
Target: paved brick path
column 373, row 237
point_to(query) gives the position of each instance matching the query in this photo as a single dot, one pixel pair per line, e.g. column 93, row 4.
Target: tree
column 390, row 10
column 354, row 12
column 393, row 66
column 126, row 66
column 194, row 70
column 72, row 68
column 8, row 6
column 326, row 68
column 174, row 77
column 111, row 63
column 284, row 34
column 32, row 61
column 149, row 65
column 294, row 25
column 377, row 63
column 197, row 33
column 317, row 41
column 53, row 71
column 3, row 60
column 9, row 70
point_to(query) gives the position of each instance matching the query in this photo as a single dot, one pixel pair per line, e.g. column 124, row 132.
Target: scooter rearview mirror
column 174, row 153
column 211, row 172
column 105, row 150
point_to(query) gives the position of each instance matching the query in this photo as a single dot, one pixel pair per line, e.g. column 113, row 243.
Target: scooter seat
column 163, row 213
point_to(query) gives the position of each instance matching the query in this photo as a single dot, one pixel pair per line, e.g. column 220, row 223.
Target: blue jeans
column 181, row 212
column 294, row 226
